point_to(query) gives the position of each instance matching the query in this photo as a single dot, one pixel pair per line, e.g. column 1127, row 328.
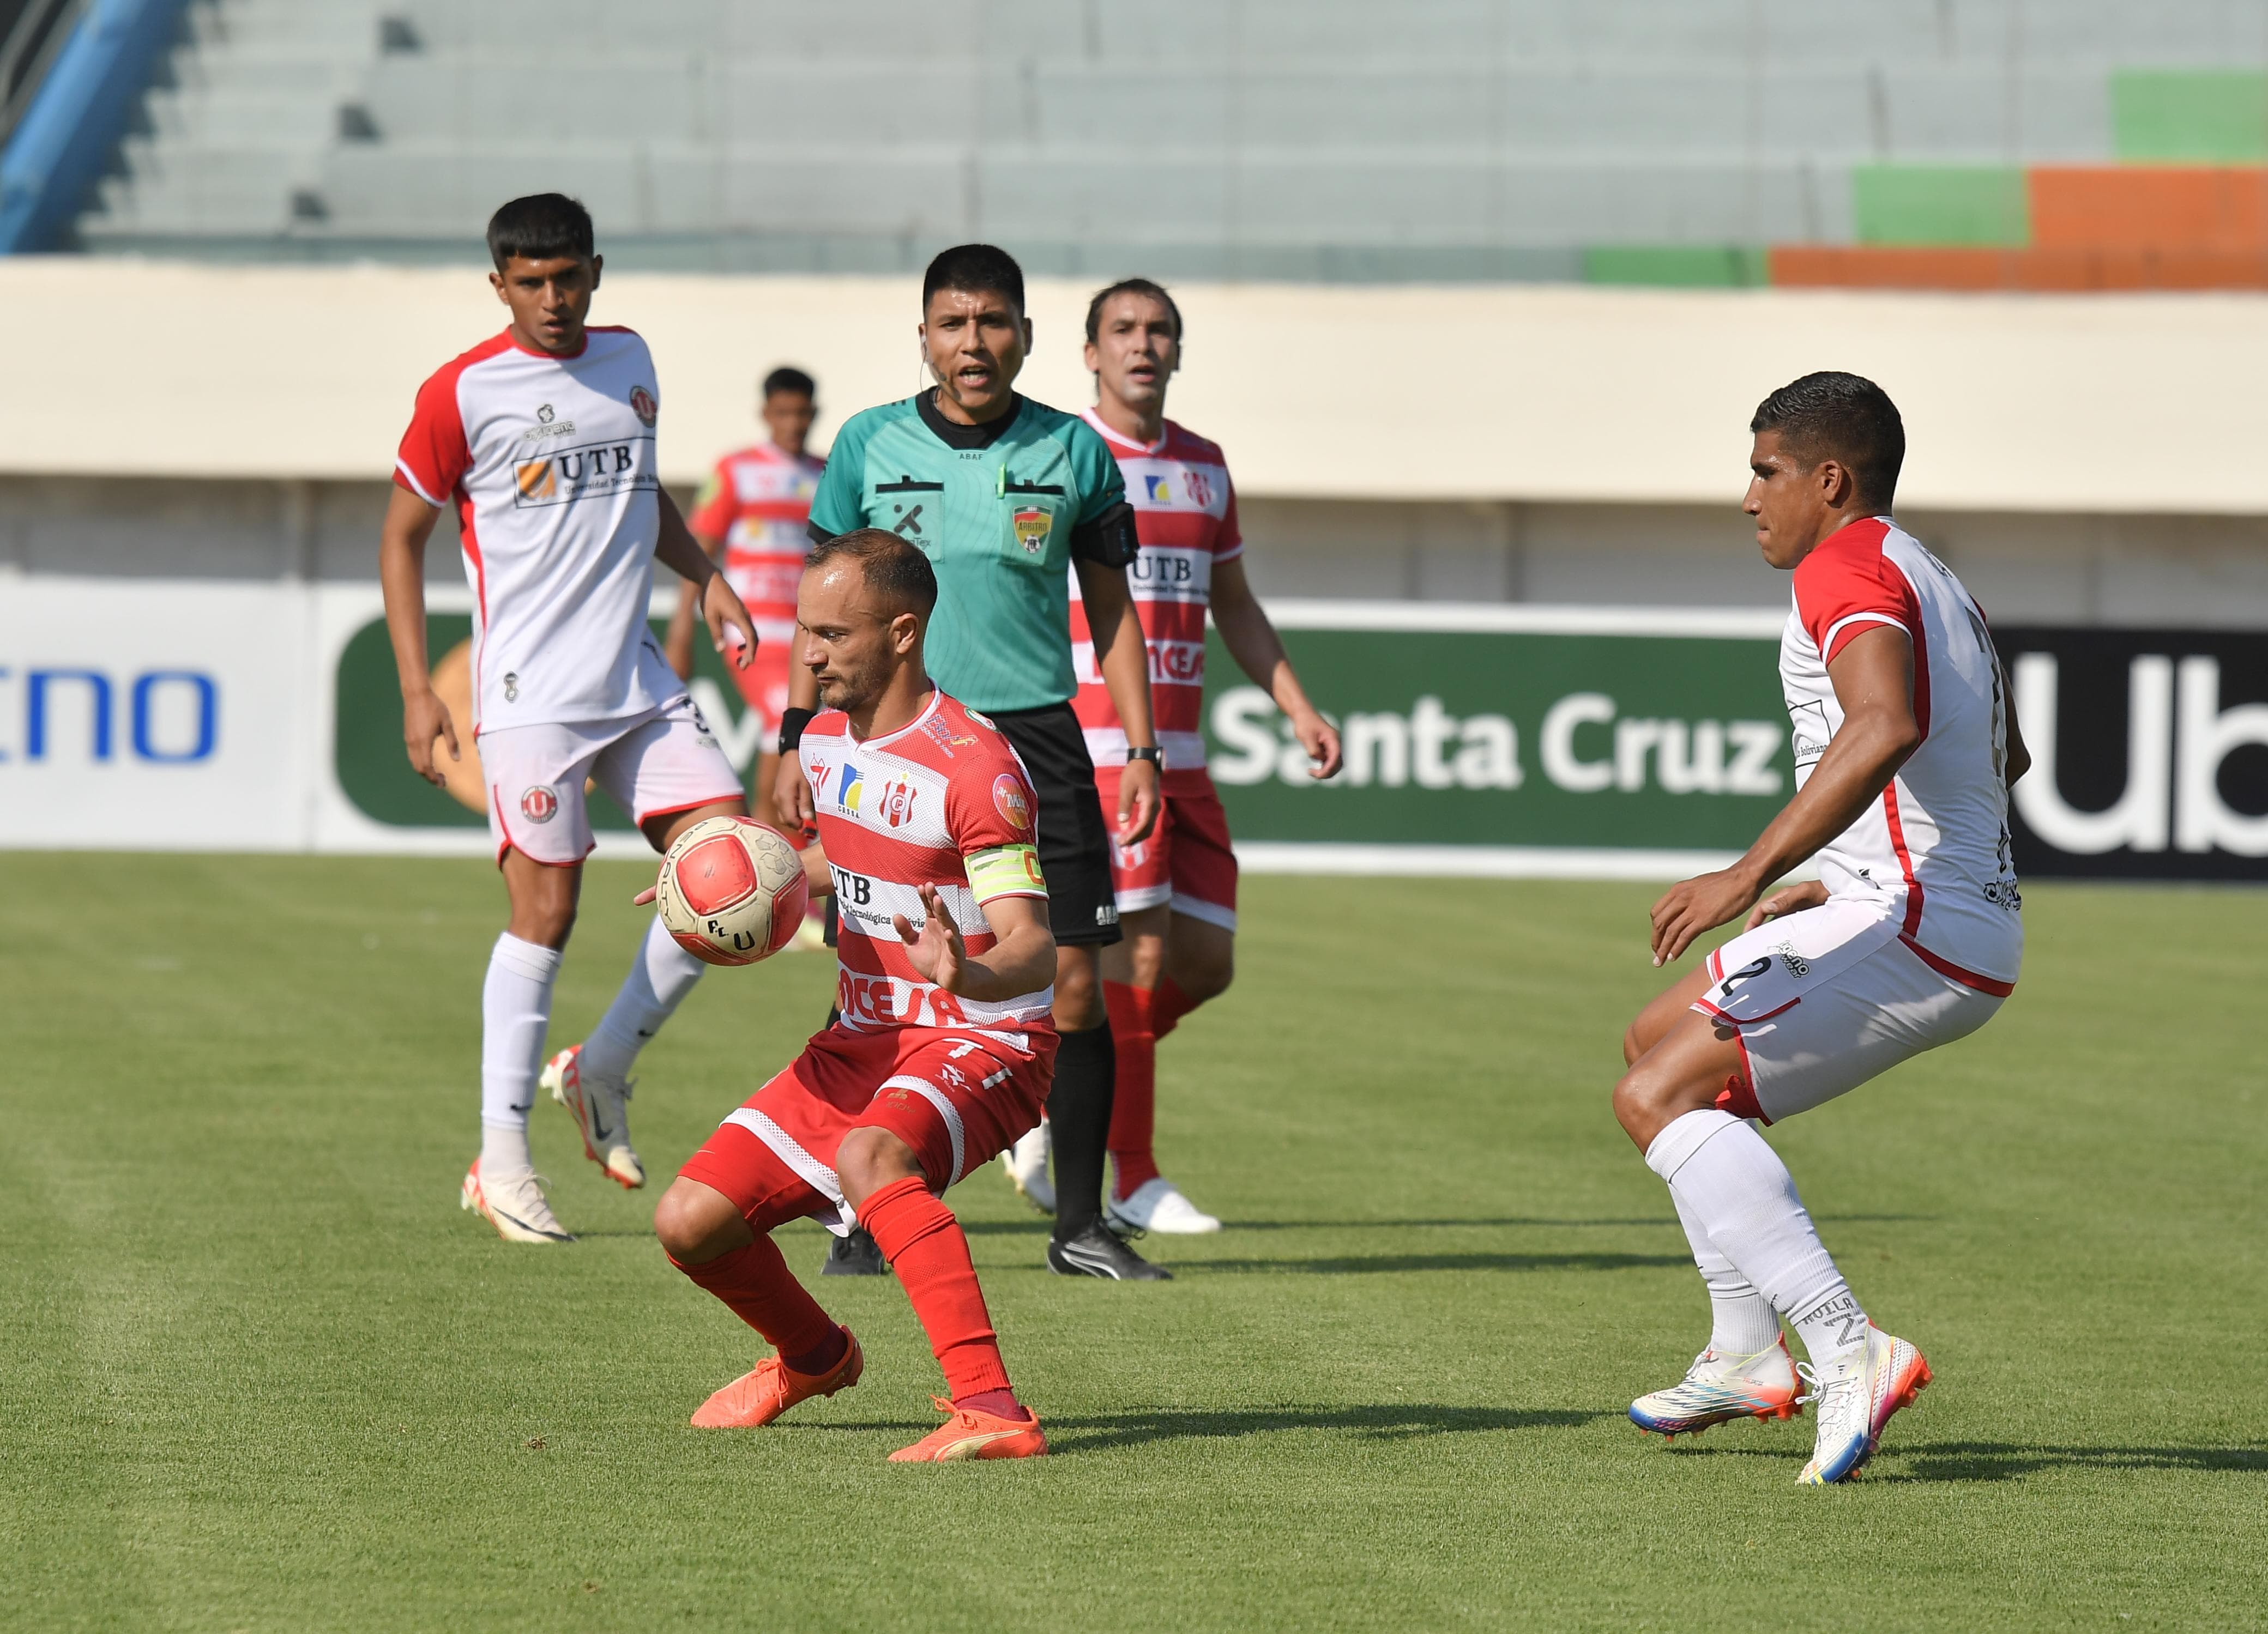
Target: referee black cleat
column 1100, row 1251
column 854, row 1255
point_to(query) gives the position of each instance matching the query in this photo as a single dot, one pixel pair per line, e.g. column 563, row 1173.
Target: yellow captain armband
column 1005, row 870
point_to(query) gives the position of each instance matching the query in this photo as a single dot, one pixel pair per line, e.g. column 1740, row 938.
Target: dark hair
column 974, row 270
column 896, row 569
column 1129, row 286
column 1845, row 417
column 543, row 226
column 788, row 378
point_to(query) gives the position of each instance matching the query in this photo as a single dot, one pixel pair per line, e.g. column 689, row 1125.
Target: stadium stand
column 1948, row 143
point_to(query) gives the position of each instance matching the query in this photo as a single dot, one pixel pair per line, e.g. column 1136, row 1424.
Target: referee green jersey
column 1000, row 508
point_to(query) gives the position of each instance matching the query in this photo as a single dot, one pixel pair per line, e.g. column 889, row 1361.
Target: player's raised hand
column 1792, row 899
column 1699, row 905
column 425, row 724
column 1138, row 801
column 722, row 610
column 1320, row 740
column 938, row 952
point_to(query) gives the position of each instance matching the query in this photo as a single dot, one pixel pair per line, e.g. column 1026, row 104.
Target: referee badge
column 1033, row 527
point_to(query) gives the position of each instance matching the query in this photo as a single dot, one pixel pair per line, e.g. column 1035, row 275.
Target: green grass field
column 257, row 1372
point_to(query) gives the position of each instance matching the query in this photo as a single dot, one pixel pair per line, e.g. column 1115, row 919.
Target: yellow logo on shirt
column 1033, row 527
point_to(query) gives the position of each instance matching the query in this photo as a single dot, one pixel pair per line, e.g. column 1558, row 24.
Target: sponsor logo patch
column 1033, row 527
column 538, row 804
column 1161, row 492
column 1008, row 796
column 1797, row 965
column 847, row 792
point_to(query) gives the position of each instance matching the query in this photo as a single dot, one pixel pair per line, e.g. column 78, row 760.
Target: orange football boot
column 967, row 1433
column 761, row 1396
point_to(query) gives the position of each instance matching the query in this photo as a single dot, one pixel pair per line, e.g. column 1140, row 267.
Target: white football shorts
column 1824, row 999
column 664, row 761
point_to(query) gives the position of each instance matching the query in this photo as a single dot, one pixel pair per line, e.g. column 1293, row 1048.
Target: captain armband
column 1110, row 540
column 1005, row 870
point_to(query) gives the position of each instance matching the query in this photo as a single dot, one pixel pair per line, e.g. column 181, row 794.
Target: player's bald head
column 1843, row 418
column 897, row 574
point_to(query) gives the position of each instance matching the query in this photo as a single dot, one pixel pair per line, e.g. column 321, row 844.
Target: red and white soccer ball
column 731, row 891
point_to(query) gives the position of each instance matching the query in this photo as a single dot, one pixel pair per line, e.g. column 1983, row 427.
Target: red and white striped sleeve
column 1848, row 584
column 434, row 456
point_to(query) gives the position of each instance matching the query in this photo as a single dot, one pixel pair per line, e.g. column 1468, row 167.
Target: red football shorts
column 1186, row 861
column 957, row 1098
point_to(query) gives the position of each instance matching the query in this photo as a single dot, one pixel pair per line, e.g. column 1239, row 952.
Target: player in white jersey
column 542, row 438
column 1906, row 748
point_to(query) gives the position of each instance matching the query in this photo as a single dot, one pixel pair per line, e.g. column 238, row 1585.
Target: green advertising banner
column 1551, row 738
column 1478, row 739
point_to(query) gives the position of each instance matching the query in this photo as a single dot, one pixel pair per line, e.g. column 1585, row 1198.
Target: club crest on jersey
column 1008, row 799
column 898, row 806
column 643, row 405
column 1033, row 527
column 853, row 784
column 538, row 804
column 1200, row 488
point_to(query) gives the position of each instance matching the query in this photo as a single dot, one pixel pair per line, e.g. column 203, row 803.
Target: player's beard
column 852, row 692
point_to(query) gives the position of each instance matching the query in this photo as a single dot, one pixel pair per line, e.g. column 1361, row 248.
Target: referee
column 1005, row 497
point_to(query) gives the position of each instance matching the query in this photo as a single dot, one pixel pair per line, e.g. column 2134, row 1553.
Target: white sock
column 661, row 976
column 515, row 1012
column 1723, row 1175
column 1741, row 1321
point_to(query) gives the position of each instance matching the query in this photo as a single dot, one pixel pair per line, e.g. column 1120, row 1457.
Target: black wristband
column 792, row 724
column 1149, row 752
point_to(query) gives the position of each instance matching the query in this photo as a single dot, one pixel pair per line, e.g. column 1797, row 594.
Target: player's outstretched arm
column 677, row 646
column 1123, row 655
column 715, row 600
column 1021, row 960
column 401, row 578
column 791, row 795
column 1874, row 682
column 1252, row 641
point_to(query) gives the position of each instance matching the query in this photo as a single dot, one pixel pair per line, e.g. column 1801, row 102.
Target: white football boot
column 1717, row 1389
column 1027, row 1163
column 513, row 1203
column 1159, row 1205
column 598, row 1106
column 1855, row 1394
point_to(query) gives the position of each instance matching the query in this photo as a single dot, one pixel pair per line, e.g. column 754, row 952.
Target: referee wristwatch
column 1149, row 752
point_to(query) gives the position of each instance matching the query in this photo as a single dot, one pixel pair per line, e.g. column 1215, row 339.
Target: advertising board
column 1584, row 742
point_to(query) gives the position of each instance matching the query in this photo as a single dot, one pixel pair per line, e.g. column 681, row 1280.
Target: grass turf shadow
column 1938, row 1462
column 1398, row 1422
column 1387, row 1265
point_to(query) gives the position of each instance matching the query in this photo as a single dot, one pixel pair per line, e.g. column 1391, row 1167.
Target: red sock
column 1168, row 1006
column 1134, row 1103
column 762, row 1292
column 924, row 1246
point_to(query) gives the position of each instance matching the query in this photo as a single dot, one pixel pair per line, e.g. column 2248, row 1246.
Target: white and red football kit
column 758, row 501
column 943, row 802
column 549, row 462
column 1185, row 519
column 1921, row 936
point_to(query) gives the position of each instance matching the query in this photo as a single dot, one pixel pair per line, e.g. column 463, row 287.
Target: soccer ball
column 731, row 891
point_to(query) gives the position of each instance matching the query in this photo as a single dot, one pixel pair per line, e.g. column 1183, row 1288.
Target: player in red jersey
column 751, row 519
column 542, row 438
column 1176, row 889
column 943, row 1045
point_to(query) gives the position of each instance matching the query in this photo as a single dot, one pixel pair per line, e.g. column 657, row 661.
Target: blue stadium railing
column 57, row 152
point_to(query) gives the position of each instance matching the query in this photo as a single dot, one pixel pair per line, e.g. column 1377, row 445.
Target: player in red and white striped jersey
column 542, row 439
column 1176, row 889
column 752, row 518
column 945, row 1045
column 1905, row 749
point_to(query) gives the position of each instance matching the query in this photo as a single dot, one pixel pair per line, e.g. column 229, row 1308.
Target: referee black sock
column 1078, row 1112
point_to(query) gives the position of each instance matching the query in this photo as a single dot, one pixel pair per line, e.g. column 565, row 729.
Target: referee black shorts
column 1074, row 842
